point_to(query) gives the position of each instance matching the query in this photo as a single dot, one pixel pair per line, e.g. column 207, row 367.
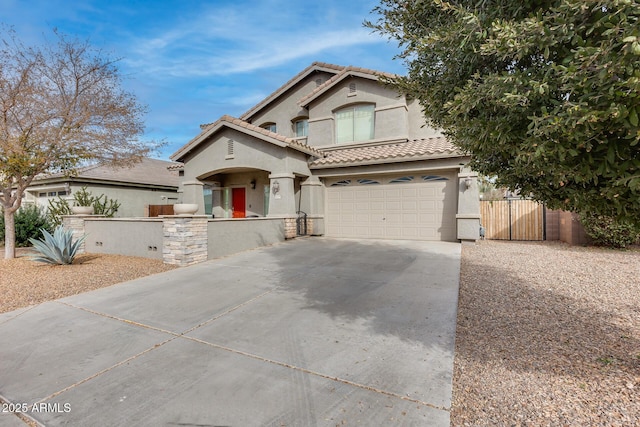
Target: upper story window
column 271, row 127
column 355, row 123
column 301, row 127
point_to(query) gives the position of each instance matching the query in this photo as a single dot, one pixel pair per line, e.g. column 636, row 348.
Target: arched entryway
column 236, row 193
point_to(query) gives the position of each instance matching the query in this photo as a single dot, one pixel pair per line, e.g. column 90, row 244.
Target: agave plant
column 58, row 248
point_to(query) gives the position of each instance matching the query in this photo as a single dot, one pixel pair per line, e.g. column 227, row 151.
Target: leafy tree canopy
column 61, row 105
column 545, row 94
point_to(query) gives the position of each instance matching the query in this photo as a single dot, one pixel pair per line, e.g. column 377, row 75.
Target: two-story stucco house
column 352, row 154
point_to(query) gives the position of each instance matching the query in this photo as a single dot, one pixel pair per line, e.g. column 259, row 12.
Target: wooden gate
column 157, row 210
column 512, row 219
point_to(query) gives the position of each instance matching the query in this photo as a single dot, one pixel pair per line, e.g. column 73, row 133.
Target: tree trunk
column 9, row 234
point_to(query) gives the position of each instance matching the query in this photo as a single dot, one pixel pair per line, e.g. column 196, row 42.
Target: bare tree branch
column 61, row 105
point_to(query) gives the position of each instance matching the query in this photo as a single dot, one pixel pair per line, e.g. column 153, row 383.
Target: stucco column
column 192, row 192
column 312, row 203
column 468, row 217
column 312, row 196
column 282, row 202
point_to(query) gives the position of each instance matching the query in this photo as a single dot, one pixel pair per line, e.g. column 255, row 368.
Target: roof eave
column 304, row 102
column 203, row 136
column 388, row 160
column 316, row 66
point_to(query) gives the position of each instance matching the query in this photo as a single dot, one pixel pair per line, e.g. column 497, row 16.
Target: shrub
column 101, row 205
column 607, row 231
column 57, row 208
column 29, row 220
column 58, row 248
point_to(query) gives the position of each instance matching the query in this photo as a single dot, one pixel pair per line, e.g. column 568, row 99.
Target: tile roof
column 321, row 66
column 345, row 72
column 147, row 171
column 416, row 149
column 238, row 123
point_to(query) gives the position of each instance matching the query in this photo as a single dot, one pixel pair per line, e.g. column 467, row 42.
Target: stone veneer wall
column 184, row 239
column 290, row 228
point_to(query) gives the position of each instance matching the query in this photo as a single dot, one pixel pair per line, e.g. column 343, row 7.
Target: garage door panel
column 409, row 219
column 415, row 210
column 392, row 193
column 377, row 205
column 428, row 205
column 409, row 205
column 393, row 205
column 393, row 233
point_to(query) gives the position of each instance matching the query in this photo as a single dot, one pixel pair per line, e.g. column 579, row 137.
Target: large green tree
column 545, row 94
column 61, row 105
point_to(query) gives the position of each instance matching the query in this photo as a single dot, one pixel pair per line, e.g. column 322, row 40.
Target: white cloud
column 224, row 41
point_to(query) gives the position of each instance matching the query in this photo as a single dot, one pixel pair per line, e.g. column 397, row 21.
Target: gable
column 231, row 149
column 316, row 74
column 346, row 74
column 208, row 133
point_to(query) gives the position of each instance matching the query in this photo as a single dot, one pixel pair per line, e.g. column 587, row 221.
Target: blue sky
column 192, row 61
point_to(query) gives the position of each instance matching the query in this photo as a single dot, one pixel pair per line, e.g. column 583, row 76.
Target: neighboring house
column 149, row 182
column 349, row 152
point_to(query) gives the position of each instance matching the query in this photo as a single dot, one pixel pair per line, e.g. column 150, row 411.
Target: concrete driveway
column 309, row 332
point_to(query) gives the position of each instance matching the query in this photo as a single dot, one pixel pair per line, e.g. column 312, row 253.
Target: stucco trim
column 248, row 129
column 316, row 66
column 342, row 75
column 383, row 161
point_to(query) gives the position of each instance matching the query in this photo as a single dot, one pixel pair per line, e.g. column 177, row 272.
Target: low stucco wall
column 133, row 237
column 229, row 236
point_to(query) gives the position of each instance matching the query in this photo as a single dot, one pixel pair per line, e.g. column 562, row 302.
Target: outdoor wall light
column 468, row 182
column 253, row 184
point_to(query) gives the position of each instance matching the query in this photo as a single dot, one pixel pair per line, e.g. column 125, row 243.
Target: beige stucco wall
column 133, row 200
column 286, row 107
column 417, row 123
column 125, row 237
column 248, row 153
column 236, row 235
column 394, row 118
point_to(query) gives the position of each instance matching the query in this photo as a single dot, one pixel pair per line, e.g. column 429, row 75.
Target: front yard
column 547, row 335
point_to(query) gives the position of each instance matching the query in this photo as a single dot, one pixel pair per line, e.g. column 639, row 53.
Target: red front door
column 238, row 202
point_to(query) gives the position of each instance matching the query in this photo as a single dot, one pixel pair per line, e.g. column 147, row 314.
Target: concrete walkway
column 308, row 332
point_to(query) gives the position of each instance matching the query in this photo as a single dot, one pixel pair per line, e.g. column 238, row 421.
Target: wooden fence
column 512, row 219
column 157, row 210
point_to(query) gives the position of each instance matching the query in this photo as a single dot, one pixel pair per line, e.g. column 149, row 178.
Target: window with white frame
column 355, row 123
column 301, row 127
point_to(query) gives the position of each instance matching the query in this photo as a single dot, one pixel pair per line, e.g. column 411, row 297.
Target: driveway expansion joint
column 231, row 350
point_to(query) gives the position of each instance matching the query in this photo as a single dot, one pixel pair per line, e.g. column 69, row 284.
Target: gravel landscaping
column 547, row 334
column 24, row 282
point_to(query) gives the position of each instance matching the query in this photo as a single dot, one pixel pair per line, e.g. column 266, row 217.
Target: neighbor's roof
column 316, row 66
column 416, row 149
column 147, row 171
column 247, row 128
column 346, row 72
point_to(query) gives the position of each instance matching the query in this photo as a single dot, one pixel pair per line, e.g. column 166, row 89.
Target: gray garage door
column 412, row 207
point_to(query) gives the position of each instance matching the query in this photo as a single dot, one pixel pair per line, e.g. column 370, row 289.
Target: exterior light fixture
column 468, row 182
column 253, row 184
